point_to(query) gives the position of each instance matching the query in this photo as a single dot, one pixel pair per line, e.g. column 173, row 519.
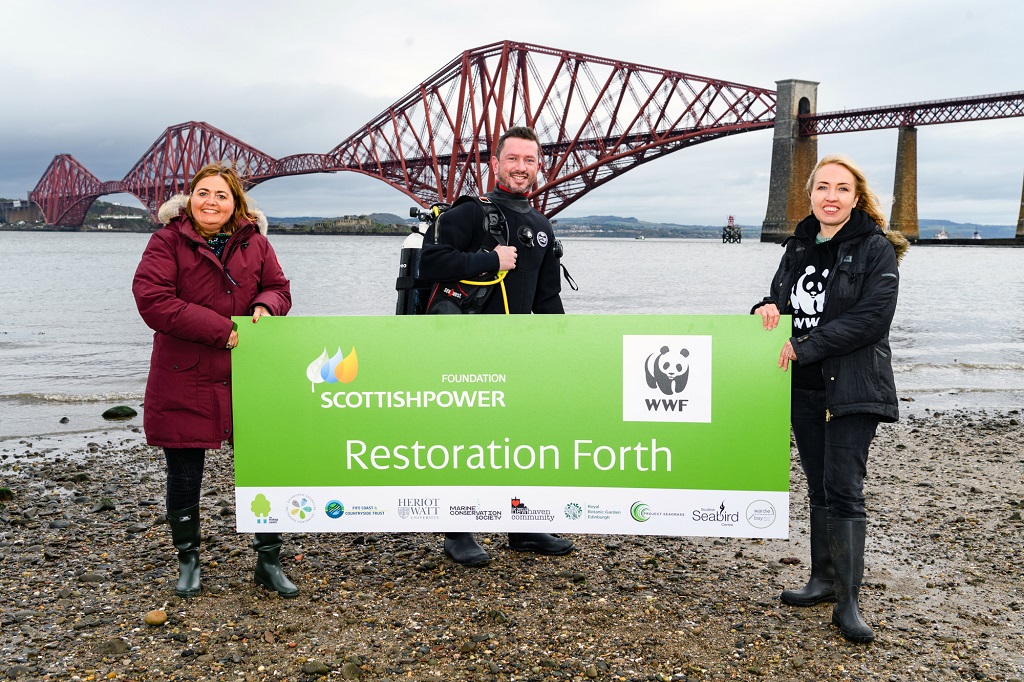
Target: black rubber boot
column 462, row 549
column 819, row 588
column 185, row 536
column 539, row 543
column 846, row 542
column 269, row 572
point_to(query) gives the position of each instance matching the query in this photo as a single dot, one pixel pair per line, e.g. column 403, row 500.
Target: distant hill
column 617, row 226
column 930, row 228
column 378, row 218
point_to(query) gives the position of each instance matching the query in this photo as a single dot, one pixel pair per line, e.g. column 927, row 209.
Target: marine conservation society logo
column 333, row 369
column 477, row 511
column 666, row 378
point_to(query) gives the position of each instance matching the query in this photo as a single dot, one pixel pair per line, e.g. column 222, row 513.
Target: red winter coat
column 184, row 293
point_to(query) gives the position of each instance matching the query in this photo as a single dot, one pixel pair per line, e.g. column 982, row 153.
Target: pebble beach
column 87, row 575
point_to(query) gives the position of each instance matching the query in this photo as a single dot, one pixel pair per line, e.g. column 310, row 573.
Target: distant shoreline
column 402, row 232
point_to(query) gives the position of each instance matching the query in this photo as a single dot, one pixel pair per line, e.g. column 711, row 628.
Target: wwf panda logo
column 808, row 293
column 668, row 371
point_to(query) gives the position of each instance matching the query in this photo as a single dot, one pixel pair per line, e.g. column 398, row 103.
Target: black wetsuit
column 462, row 249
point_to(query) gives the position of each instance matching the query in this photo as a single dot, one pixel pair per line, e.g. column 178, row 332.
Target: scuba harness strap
column 495, row 226
column 465, row 296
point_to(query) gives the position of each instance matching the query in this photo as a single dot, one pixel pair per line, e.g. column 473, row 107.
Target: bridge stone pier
column 793, row 158
column 904, row 193
column 1020, row 218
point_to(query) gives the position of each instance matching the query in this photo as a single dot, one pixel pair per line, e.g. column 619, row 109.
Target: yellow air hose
column 497, row 280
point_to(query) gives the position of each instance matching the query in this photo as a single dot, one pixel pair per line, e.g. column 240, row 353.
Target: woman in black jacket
column 839, row 281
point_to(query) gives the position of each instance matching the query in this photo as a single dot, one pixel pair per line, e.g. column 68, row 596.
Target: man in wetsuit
column 458, row 247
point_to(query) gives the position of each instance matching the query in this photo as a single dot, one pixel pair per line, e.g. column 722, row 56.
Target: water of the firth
column 72, row 343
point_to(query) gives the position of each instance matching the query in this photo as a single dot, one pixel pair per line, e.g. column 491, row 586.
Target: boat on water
column 977, row 235
column 942, row 234
column 639, row 237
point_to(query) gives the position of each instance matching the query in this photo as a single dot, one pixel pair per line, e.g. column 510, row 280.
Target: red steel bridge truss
column 597, row 118
column 980, row 108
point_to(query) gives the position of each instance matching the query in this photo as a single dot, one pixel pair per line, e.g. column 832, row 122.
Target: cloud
column 102, row 80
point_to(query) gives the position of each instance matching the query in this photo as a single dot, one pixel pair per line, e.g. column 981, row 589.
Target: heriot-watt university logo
column 666, row 378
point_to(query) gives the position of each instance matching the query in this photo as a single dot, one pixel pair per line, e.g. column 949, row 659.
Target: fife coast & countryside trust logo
column 334, row 509
column 333, row 369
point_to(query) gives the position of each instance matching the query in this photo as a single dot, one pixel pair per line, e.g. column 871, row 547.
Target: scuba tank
column 412, row 291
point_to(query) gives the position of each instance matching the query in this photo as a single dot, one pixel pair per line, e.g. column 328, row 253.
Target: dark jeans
column 184, row 476
column 833, row 454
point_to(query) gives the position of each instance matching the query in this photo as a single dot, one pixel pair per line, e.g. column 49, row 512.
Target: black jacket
column 852, row 339
column 452, row 252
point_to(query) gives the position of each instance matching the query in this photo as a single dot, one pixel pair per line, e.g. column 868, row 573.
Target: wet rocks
column 120, row 412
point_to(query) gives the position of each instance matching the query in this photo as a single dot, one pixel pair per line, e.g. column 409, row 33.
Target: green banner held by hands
column 670, row 425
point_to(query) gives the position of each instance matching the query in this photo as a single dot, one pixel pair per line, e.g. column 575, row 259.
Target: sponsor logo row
column 301, row 508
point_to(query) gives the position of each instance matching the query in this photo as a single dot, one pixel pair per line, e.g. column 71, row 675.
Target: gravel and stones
column 87, row 574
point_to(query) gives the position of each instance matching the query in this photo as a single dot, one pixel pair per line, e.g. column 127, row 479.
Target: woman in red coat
column 211, row 260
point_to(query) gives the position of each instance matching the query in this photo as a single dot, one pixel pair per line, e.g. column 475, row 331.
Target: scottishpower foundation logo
column 666, row 378
column 333, row 369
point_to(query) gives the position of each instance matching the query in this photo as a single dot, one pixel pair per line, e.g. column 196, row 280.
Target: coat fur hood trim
column 899, row 243
column 175, row 206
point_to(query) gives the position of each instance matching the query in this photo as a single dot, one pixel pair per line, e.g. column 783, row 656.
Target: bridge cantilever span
column 597, row 118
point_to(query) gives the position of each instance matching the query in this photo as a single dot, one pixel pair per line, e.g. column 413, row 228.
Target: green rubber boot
column 185, row 536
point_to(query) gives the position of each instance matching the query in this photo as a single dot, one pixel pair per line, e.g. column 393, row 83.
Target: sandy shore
column 85, row 554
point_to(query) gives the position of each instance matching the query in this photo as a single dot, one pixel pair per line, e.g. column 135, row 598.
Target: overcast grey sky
column 101, row 80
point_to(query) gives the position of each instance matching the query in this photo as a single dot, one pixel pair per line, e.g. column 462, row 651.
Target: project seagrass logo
column 666, row 378
column 641, row 512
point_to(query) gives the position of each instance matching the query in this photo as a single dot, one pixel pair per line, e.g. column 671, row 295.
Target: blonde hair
column 241, row 213
column 867, row 201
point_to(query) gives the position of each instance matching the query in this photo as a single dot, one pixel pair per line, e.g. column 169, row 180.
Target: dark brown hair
column 523, row 133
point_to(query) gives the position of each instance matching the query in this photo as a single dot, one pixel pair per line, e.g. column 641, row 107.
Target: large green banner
column 640, row 424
